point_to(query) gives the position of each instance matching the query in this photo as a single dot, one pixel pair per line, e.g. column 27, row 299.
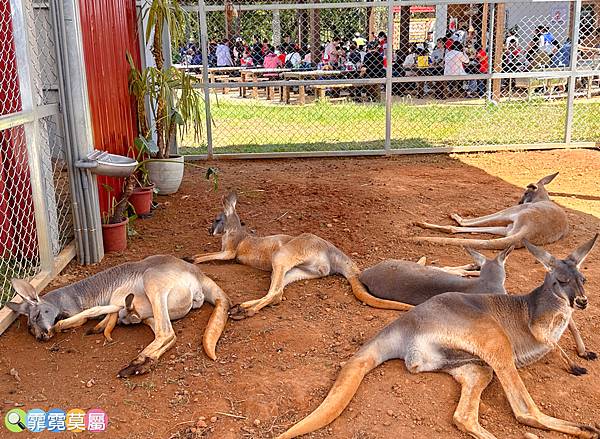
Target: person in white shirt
column 454, row 64
column 410, row 61
column 224, row 54
column 455, row 60
column 293, row 59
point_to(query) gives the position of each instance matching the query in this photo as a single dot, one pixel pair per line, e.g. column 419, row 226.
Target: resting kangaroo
column 479, row 334
column 289, row 258
column 536, row 218
column 413, row 283
column 161, row 288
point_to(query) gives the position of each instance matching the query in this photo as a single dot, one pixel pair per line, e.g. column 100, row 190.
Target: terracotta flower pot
column 141, row 200
column 114, row 236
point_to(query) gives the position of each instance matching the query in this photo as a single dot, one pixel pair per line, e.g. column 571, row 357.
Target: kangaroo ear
column 25, row 290
column 477, row 257
column 504, row 254
column 19, row 308
column 547, row 260
column 229, row 202
column 547, row 179
column 129, row 302
column 579, row 254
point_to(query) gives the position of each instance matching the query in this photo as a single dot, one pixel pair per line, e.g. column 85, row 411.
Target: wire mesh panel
column 56, row 182
column 320, row 77
column 19, row 255
column 305, row 88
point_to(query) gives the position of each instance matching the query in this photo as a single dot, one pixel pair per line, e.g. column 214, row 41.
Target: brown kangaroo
column 479, row 335
column 290, row 258
column 413, row 283
column 536, row 218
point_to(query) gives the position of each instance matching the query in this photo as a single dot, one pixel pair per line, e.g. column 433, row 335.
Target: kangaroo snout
column 581, row 302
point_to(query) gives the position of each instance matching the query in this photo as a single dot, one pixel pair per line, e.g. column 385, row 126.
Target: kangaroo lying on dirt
column 479, row 334
column 161, row 288
column 413, row 283
column 289, row 258
column 536, row 218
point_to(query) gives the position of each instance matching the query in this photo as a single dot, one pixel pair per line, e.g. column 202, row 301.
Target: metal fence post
column 204, row 45
column 491, row 42
column 388, row 76
column 31, row 129
column 572, row 78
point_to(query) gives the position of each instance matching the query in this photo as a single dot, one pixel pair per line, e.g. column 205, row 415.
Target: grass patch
column 246, row 126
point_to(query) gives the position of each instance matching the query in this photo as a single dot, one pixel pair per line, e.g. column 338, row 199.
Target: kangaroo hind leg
column 301, row 258
column 473, row 379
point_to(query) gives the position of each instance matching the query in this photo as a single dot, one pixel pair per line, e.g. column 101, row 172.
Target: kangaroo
column 161, row 288
column 536, row 218
column 413, row 283
column 478, row 335
column 289, row 258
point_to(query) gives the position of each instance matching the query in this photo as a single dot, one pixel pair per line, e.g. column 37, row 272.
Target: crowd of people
column 459, row 52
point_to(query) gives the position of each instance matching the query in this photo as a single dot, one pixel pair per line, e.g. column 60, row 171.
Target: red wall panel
column 109, row 30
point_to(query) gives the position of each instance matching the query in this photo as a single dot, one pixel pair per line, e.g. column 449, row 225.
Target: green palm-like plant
column 174, row 101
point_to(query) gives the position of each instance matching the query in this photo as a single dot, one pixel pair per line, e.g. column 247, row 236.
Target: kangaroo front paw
column 578, row 370
column 589, row 355
column 137, row 368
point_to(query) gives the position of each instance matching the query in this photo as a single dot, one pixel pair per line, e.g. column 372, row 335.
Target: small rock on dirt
column 214, row 419
column 530, row 436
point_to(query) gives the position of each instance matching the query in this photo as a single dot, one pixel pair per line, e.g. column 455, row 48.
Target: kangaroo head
column 129, row 315
column 537, row 191
column 227, row 220
column 563, row 277
column 491, row 269
column 41, row 314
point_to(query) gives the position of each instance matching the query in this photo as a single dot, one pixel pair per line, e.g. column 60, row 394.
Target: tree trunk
column 121, row 207
column 315, row 35
column 403, row 33
column 499, row 47
column 276, row 28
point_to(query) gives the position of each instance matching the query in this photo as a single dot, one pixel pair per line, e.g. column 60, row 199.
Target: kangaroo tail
column 348, row 268
column 366, row 359
column 214, row 295
column 361, row 293
column 486, row 244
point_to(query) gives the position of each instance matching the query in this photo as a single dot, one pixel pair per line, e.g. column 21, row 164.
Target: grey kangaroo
column 290, row 258
column 479, row 335
column 160, row 288
column 413, row 283
column 536, row 218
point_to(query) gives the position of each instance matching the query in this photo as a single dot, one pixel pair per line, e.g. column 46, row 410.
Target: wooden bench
column 321, row 89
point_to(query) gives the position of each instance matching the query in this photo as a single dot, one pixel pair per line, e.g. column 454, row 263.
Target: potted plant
column 140, row 198
column 173, row 101
column 114, row 222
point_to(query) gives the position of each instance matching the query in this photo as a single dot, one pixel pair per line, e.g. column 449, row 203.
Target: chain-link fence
column 377, row 77
column 35, row 197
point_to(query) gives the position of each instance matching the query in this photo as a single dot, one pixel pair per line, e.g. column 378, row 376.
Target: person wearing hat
column 359, row 40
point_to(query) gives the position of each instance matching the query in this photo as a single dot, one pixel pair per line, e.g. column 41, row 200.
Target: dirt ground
column 275, row 367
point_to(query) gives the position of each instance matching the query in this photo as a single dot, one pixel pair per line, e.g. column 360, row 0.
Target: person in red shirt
column 482, row 57
column 448, row 44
